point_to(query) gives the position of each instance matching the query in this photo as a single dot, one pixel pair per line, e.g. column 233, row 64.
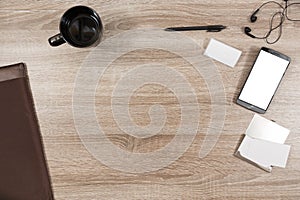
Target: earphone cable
column 272, row 29
column 286, row 11
column 282, row 15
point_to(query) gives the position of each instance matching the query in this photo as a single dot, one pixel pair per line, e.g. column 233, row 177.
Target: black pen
column 211, row 28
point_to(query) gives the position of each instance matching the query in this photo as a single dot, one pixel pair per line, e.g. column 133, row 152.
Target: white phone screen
column 263, row 79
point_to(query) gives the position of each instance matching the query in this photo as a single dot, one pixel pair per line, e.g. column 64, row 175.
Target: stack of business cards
column 263, row 144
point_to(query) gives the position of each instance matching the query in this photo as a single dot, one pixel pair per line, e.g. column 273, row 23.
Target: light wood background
column 25, row 26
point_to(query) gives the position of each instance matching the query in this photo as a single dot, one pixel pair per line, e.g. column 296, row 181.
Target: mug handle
column 56, row 40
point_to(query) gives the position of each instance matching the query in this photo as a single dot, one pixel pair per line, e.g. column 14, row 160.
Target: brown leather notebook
column 23, row 169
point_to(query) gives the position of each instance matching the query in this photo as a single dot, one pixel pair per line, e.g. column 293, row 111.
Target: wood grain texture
column 25, row 26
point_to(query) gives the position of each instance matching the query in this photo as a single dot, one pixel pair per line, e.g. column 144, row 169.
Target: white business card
column 222, row 53
column 264, row 129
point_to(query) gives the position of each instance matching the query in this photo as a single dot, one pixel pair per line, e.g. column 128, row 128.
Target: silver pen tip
column 168, row 29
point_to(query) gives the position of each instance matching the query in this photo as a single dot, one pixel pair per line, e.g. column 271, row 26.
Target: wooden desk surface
column 25, row 27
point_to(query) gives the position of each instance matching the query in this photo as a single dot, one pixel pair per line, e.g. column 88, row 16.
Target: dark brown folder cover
column 23, row 169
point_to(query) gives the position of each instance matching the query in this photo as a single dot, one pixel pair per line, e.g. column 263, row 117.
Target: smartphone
column 263, row 80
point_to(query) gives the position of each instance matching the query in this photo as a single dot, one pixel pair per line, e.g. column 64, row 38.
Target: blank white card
column 222, row 53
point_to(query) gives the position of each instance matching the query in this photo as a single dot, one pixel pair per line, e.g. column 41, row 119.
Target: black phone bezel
column 251, row 106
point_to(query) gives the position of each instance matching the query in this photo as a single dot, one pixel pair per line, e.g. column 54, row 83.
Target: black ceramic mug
column 80, row 26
